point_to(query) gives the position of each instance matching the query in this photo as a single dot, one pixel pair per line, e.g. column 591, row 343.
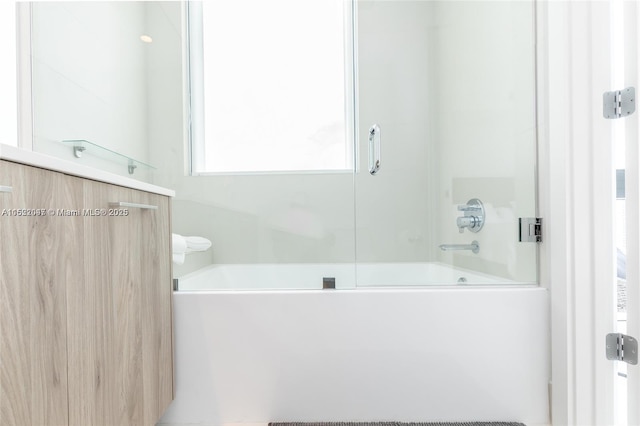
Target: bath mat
column 396, row 424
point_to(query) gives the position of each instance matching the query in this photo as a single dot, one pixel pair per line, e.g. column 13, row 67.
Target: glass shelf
column 80, row 146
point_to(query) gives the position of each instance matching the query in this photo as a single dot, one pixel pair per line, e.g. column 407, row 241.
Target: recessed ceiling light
column 146, row 38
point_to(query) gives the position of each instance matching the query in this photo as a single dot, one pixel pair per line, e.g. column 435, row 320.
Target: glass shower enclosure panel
column 280, row 217
column 447, row 143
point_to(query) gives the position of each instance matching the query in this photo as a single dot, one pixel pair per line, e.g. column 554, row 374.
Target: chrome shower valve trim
column 474, row 216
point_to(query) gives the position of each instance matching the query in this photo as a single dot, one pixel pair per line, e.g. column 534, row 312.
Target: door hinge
column 530, row 230
column 621, row 347
column 619, row 103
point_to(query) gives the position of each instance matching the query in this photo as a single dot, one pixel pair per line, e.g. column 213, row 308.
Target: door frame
column 575, row 173
column 632, row 172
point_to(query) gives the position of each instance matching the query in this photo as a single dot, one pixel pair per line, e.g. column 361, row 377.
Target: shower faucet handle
column 473, row 218
column 470, row 222
column 469, row 208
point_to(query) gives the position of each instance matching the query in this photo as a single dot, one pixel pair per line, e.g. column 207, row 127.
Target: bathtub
column 309, row 276
column 428, row 353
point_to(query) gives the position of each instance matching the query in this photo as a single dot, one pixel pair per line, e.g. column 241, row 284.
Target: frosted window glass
column 275, row 86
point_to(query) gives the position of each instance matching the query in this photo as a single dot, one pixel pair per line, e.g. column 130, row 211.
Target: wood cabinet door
column 40, row 249
column 105, row 365
column 157, row 348
column 85, row 290
column 120, row 332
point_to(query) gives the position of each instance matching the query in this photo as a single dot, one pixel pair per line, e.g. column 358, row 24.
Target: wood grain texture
column 128, row 321
column 127, row 284
column 156, row 308
column 85, row 324
column 89, row 319
column 33, row 362
column 169, row 254
column 105, row 331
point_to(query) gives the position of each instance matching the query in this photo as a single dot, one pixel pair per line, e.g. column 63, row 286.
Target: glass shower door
column 450, row 165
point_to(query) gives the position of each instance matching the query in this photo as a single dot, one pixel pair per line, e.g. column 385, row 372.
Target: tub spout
column 474, row 247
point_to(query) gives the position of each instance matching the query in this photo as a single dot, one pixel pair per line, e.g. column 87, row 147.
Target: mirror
column 108, row 73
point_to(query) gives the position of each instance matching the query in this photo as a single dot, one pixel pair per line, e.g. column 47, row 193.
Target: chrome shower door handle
column 374, row 149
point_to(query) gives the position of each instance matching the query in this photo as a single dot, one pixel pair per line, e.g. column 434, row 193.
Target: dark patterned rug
column 396, row 424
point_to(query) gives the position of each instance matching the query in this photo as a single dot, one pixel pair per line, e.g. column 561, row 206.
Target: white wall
column 8, row 77
column 89, row 80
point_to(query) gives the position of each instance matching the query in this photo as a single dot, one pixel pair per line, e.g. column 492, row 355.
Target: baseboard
column 266, row 424
column 212, row 424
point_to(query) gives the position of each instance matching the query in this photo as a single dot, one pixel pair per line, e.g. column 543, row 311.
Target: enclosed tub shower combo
column 402, row 286
column 355, row 219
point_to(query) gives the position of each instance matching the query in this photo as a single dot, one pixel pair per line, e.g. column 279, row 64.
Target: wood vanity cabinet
column 37, row 255
column 85, row 314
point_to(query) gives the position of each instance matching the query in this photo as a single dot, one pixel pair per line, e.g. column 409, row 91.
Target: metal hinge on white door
column 619, row 103
column 621, row 347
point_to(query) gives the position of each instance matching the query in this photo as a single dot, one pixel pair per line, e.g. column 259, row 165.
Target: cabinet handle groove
column 133, row 205
column 6, row 188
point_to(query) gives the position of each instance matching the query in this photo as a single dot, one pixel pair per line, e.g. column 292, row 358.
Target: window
column 271, row 86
